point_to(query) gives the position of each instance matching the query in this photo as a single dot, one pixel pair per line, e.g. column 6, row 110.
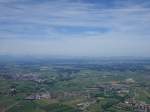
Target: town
column 78, row 88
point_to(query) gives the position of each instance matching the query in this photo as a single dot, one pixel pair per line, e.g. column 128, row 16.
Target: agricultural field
column 75, row 86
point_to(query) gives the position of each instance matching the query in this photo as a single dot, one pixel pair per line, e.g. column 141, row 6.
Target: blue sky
column 91, row 28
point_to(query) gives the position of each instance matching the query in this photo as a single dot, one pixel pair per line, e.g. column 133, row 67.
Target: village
column 79, row 87
column 92, row 96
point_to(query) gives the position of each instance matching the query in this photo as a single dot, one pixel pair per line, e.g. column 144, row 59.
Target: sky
column 93, row 28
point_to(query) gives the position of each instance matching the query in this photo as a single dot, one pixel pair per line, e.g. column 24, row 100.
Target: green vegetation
column 73, row 87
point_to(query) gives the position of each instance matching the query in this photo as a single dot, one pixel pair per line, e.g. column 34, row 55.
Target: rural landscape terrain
column 75, row 85
column 74, row 55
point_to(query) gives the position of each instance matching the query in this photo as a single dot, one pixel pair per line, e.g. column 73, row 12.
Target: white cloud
column 128, row 26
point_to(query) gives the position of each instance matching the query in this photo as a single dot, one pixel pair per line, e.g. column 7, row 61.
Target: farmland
column 75, row 86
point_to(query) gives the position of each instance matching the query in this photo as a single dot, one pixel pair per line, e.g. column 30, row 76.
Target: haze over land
column 74, row 56
column 93, row 28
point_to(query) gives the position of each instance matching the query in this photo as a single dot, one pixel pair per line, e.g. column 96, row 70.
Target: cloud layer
column 75, row 27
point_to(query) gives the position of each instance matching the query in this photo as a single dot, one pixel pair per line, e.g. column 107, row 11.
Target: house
column 138, row 106
column 38, row 96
